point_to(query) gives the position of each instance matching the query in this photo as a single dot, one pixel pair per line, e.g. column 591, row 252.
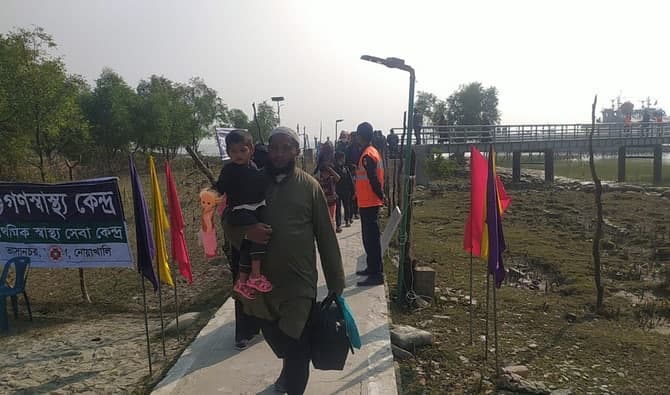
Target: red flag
column 472, row 240
column 475, row 232
column 503, row 198
column 179, row 251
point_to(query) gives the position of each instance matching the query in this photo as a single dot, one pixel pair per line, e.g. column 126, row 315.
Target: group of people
column 275, row 214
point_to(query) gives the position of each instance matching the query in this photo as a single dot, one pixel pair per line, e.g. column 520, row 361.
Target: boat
column 626, row 112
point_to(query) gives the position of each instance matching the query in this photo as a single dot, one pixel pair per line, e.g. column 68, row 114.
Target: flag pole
column 495, row 328
column 160, row 305
column 471, row 246
column 470, row 320
column 176, row 302
column 486, row 342
column 146, row 322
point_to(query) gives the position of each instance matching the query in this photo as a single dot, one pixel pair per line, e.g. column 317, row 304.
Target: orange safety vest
column 365, row 196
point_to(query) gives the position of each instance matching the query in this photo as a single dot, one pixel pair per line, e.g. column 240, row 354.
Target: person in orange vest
column 370, row 195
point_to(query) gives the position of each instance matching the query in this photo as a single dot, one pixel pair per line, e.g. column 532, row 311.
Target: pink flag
column 474, row 227
column 179, row 250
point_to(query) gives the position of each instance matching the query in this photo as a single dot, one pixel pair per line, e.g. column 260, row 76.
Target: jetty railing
column 478, row 134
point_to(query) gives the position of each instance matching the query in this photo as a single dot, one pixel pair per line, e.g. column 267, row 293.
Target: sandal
column 244, row 290
column 260, row 284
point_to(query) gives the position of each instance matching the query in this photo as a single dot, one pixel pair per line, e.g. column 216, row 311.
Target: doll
column 209, row 199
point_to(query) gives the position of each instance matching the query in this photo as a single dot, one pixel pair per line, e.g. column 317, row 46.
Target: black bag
column 329, row 341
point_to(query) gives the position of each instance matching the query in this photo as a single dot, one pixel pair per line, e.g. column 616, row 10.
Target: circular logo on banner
column 55, row 253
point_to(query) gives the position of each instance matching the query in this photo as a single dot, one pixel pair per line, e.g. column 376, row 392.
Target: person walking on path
column 345, row 192
column 328, row 179
column 370, row 196
column 296, row 215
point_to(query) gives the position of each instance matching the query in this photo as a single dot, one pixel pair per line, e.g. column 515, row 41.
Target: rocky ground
column 545, row 310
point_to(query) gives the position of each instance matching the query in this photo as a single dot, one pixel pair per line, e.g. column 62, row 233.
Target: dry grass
column 549, row 230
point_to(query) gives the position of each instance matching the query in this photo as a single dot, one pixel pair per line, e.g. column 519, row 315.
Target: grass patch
column 549, row 234
column 637, row 170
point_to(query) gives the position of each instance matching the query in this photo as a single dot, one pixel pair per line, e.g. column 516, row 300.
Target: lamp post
column 336, row 122
column 395, row 63
column 278, row 99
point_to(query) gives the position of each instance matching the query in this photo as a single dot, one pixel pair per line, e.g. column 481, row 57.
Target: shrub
column 438, row 167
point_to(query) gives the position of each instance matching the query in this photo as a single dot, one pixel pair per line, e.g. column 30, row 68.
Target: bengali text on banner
column 69, row 225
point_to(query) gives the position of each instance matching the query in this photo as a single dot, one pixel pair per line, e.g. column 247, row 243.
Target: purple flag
column 494, row 224
column 143, row 235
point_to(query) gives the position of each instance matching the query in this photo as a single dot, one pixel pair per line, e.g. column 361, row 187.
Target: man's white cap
column 286, row 131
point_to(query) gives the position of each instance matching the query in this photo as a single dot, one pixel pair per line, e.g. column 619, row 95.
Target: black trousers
column 248, row 252
column 372, row 238
column 294, row 353
column 343, row 201
column 246, row 326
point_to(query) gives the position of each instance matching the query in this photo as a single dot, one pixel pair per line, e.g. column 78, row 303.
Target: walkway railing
column 474, row 134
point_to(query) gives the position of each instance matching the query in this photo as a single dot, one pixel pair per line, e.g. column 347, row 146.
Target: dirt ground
column 545, row 311
column 99, row 348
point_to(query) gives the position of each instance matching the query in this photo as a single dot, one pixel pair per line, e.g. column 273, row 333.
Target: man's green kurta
column 298, row 214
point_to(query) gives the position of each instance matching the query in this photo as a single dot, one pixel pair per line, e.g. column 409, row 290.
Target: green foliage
column 171, row 115
column 267, row 120
column 38, row 101
column 431, row 107
column 162, row 116
column 109, row 109
column 472, row 104
column 238, row 119
column 207, row 109
column 438, row 167
column 47, row 115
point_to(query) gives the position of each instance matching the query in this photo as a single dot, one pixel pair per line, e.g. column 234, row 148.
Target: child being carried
column 244, row 185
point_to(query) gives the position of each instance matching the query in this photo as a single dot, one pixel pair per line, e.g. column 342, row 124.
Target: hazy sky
column 547, row 58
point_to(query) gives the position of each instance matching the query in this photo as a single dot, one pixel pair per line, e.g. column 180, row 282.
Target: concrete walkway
column 211, row 365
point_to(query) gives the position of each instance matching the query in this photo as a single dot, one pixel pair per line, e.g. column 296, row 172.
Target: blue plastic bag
column 352, row 329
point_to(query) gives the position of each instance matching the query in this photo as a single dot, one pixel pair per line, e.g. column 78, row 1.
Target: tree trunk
column 599, row 215
column 203, row 168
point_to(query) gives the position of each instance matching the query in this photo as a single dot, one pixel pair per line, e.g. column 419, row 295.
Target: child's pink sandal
column 260, row 284
column 244, row 290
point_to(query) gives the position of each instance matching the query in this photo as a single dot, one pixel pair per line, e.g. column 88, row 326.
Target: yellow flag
column 161, row 225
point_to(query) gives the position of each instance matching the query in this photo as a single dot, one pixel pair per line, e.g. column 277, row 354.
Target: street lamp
column 396, row 63
column 336, row 122
column 278, row 99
